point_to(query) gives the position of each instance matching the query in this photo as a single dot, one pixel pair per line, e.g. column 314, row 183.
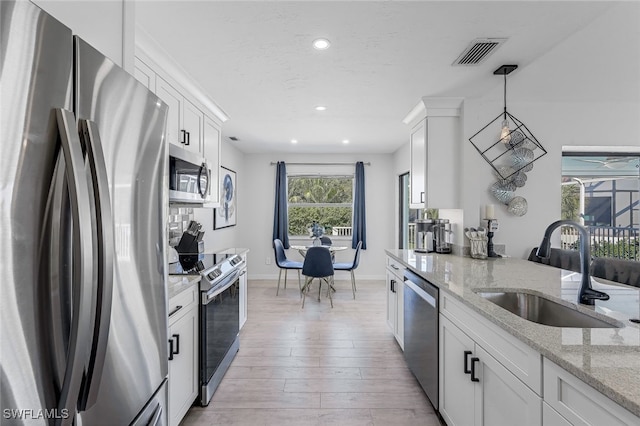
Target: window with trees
column 326, row 200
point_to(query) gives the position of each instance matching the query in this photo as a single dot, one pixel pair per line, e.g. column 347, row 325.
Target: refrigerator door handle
column 82, row 264
column 157, row 416
column 103, row 261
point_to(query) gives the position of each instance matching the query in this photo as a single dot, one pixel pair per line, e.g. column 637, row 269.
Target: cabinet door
column 183, row 368
column 457, row 391
column 192, row 123
column 174, row 100
column 399, row 287
column 212, row 152
column 551, row 417
column 417, row 171
column 501, row 398
column 145, row 75
column 391, row 301
column 243, row 297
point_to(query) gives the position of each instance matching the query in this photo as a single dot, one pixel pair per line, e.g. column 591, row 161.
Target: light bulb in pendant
column 505, row 133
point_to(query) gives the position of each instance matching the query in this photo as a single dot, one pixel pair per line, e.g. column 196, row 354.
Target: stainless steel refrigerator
column 82, row 193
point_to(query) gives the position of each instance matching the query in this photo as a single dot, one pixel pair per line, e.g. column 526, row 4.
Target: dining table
column 303, row 249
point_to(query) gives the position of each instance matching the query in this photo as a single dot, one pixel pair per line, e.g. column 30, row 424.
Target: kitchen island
column 607, row 359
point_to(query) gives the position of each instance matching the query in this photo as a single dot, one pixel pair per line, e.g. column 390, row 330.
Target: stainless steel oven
column 189, row 177
column 219, row 324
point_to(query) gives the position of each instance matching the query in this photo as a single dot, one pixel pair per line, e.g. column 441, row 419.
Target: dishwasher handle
column 423, row 294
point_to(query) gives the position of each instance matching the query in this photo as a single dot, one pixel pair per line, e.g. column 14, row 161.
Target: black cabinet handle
column 422, row 197
column 394, row 267
column 188, row 138
column 170, row 349
column 184, row 137
column 473, row 369
column 466, row 360
column 177, row 336
column 175, row 310
column 392, row 287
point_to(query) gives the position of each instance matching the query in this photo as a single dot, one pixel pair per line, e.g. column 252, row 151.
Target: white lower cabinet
column 579, row 403
column 183, row 354
column 243, row 295
column 551, row 417
column 476, row 389
column 395, row 300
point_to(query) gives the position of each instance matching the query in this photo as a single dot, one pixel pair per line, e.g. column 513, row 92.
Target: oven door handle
column 208, row 297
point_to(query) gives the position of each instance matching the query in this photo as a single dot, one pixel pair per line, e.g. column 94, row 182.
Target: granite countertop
column 176, row 284
column 608, row 359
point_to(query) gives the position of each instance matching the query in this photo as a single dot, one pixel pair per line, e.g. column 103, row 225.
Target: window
column 327, row 200
column 601, row 191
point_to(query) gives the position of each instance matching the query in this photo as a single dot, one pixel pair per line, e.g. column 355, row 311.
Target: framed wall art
column 226, row 215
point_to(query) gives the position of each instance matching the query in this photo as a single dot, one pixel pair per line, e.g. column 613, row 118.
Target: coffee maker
column 424, row 235
column 442, row 236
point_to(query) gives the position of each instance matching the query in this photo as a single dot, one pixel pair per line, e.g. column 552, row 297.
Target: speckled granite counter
column 608, row 359
column 179, row 283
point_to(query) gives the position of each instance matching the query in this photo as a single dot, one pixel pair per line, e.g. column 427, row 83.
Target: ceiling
column 255, row 60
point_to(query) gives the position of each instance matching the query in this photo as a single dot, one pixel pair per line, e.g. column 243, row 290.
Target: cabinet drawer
column 395, row 267
column 182, row 302
column 521, row 360
column 579, row 403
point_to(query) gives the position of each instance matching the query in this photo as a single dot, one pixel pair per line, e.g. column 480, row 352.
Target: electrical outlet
column 267, row 261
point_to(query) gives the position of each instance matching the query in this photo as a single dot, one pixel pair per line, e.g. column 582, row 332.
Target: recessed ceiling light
column 321, row 44
column 294, row 140
column 345, row 141
column 321, row 108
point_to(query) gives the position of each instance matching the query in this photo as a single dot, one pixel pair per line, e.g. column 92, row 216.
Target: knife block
column 189, row 249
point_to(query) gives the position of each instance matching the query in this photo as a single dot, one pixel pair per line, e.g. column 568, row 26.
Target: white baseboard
column 341, row 277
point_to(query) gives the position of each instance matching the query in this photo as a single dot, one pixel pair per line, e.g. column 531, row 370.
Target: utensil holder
column 478, row 247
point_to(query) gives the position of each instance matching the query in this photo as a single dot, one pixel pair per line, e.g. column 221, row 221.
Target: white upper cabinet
column 418, row 153
column 194, row 121
column 185, row 121
column 212, row 152
column 192, row 126
column 174, row 100
column 436, row 151
column 145, row 75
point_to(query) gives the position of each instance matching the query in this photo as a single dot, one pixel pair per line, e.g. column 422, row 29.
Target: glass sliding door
column 407, row 216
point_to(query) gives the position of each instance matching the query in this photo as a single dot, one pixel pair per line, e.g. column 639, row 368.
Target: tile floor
column 317, row 365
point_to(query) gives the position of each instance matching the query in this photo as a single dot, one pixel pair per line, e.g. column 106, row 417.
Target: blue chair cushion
column 343, row 266
column 290, row 264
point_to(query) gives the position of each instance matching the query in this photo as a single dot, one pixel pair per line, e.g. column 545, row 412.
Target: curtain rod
column 320, row 164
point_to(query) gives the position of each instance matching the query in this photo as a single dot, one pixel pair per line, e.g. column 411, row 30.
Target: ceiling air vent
column 233, row 138
column 478, row 50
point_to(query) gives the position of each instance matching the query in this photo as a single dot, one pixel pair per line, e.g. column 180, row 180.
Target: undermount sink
column 544, row 311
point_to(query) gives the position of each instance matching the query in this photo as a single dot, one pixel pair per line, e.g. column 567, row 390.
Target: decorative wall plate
column 503, row 191
column 518, row 206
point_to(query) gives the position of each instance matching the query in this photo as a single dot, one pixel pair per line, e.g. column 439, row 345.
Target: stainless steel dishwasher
column 421, row 332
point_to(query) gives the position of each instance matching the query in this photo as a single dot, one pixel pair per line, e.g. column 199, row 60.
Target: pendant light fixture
column 510, row 149
column 505, row 142
column 505, row 133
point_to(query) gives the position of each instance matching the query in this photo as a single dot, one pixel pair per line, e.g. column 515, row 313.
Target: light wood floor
column 317, row 365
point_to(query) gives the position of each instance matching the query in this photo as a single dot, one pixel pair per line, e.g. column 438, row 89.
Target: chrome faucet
column 587, row 295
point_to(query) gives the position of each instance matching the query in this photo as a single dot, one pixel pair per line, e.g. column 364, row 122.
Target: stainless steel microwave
column 189, row 177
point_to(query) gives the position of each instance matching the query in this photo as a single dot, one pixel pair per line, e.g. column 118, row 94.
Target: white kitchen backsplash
column 177, row 222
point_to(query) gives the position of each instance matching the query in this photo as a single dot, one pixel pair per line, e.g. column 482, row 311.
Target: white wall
column 565, row 98
column 256, row 214
column 216, row 240
column 106, row 25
